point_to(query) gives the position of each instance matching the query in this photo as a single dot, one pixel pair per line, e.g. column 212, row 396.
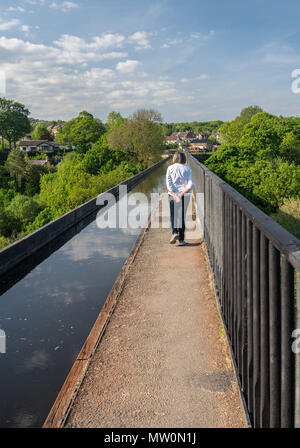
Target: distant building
column 43, row 146
column 186, row 136
column 180, row 137
column 201, row 144
column 54, row 129
column 171, row 138
column 29, row 135
column 203, row 136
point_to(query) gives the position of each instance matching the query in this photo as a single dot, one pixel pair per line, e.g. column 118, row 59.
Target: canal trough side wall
column 20, row 250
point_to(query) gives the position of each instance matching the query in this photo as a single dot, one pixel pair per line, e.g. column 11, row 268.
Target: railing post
column 275, row 331
column 250, row 315
column 264, row 333
column 287, row 356
column 256, row 327
column 244, row 307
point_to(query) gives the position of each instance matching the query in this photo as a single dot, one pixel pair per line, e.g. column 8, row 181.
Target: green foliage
column 44, row 217
column 4, row 177
column 290, row 147
column 264, row 163
column 101, row 158
column 32, row 186
column 288, row 216
column 6, row 196
column 23, row 209
column 72, row 185
column 41, row 133
column 140, row 137
column 14, row 121
column 33, row 195
column 196, row 126
column 113, row 119
column 18, row 168
column 9, row 225
column 231, row 132
column 3, row 241
column 82, row 131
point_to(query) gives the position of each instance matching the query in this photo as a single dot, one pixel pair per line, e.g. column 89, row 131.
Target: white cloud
column 64, row 6
column 172, row 42
column 17, row 9
column 74, row 44
column 203, row 76
column 203, row 37
column 127, row 66
column 59, row 80
column 140, row 40
column 4, row 26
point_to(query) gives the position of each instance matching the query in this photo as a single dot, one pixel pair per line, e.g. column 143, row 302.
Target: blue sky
column 191, row 60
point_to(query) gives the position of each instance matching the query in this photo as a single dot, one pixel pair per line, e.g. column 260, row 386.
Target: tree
column 141, row 136
column 147, row 115
column 14, row 121
column 23, row 209
column 81, row 131
column 113, row 119
column 290, row 148
column 42, row 133
column 248, row 112
column 102, row 159
column 231, row 132
column 18, row 168
column 263, row 135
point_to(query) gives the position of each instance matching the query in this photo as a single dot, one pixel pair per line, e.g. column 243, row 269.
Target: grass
column 288, row 216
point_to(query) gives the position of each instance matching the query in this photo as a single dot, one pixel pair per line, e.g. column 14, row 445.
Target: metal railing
column 256, row 268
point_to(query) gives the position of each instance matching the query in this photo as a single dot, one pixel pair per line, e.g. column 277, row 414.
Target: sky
column 192, row 60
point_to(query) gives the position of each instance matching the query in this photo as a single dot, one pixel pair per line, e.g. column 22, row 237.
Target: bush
column 4, row 242
column 23, row 209
column 288, row 216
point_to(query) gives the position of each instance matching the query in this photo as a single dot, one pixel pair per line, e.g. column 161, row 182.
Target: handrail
column 256, row 268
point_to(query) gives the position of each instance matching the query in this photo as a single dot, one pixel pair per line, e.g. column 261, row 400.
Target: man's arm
column 189, row 185
column 170, row 186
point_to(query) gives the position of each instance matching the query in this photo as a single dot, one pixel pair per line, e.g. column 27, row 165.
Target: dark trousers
column 177, row 214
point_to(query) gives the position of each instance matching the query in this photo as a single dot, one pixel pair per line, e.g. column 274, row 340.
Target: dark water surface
column 48, row 307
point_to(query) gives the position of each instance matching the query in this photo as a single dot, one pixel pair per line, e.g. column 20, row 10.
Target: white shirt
column 179, row 177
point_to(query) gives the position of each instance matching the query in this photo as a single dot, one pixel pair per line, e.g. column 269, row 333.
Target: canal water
column 48, row 306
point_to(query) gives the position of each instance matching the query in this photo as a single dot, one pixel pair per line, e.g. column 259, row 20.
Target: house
column 171, row 138
column 180, row 137
column 201, row 144
column 203, row 135
column 186, row 136
column 29, row 135
column 54, row 129
column 44, row 146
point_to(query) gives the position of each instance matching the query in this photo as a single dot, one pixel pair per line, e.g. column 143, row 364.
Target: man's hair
column 179, row 157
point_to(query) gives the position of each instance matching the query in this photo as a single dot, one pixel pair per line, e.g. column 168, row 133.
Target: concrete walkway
column 163, row 361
